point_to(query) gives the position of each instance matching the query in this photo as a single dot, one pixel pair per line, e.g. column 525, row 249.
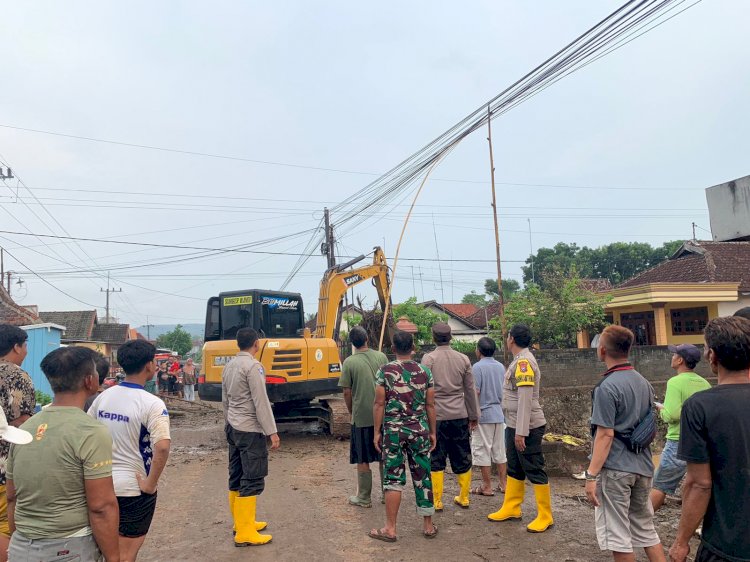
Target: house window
column 689, row 321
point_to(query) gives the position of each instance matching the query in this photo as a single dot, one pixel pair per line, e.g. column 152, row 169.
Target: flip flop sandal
column 431, row 535
column 380, row 536
column 477, row 491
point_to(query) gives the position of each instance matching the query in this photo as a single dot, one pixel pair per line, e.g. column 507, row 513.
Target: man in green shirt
column 672, row 470
column 358, row 381
column 61, row 500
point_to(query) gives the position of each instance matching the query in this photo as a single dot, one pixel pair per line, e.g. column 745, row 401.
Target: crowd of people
column 173, row 378
column 422, row 416
column 80, row 478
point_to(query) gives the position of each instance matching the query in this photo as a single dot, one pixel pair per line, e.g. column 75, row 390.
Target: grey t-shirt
column 620, row 402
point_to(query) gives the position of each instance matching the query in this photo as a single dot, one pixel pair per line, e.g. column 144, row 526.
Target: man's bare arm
column 348, row 399
column 696, row 493
column 602, row 445
column 10, row 493
column 104, row 516
column 158, row 462
column 431, row 417
column 378, row 409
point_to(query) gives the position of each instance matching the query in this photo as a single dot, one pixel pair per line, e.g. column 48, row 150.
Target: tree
column 177, row 340
column 556, row 312
column 423, row 317
column 510, row 288
column 616, row 262
column 475, row 299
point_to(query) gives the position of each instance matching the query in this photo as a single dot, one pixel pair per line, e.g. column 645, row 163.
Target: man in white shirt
column 139, row 424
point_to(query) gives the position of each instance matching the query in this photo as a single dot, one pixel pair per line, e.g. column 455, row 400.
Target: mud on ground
column 305, row 504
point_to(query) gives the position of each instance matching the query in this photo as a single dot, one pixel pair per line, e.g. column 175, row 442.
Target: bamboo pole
column 398, row 246
column 501, row 300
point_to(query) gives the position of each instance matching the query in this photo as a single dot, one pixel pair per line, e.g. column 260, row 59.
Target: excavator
column 300, row 365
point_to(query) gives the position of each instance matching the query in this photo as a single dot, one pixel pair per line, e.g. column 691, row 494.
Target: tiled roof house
column 15, row 314
column 673, row 301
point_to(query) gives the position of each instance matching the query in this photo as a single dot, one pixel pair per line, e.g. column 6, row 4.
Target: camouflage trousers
column 399, row 447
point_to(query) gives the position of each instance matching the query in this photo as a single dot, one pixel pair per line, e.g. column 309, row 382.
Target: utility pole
column 497, row 238
column 437, row 253
column 421, row 282
column 148, row 329
column 413, row 282
column 694, row 225
column 7, row 274
column 327, row 247
column 531, row 253
column 2, row 265
column 109, row 291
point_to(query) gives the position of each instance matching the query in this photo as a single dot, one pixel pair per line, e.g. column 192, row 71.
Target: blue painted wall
column 41, row 341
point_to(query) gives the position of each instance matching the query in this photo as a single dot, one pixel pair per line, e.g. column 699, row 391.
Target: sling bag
column 639, row 437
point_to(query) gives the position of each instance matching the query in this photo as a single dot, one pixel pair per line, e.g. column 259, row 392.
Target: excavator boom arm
column 336, row 282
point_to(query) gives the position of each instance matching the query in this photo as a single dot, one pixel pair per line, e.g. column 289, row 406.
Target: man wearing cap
column 17, row 400
column 457, row 411
column 61, row 499
column 679, row 388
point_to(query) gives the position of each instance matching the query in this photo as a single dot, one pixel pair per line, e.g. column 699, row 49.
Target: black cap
column 687, row 351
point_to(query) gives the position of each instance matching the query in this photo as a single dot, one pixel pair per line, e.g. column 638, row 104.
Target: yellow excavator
column 299, row 365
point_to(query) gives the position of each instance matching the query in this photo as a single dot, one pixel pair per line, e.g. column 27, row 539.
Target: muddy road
column 309, row 518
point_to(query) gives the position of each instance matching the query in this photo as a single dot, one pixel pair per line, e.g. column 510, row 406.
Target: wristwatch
column 590, row 476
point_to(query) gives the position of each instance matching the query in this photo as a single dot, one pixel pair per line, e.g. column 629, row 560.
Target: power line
column 301, row 211
column 696, row 189
column 294, row 165
column 219, row 250
column 607, row 33
column 56, row 288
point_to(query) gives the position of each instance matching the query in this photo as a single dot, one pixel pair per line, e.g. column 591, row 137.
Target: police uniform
column 249, row 420
column 524, row 417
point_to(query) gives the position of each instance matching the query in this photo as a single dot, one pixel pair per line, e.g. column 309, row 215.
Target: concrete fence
column 569, row 375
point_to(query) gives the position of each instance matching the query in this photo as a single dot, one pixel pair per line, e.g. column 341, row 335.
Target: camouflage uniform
column 406, row 431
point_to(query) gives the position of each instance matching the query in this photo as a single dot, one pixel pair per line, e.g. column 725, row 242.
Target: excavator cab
column 273, row 314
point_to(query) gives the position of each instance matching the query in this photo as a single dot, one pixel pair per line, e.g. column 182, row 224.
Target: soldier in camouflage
column 405, row 409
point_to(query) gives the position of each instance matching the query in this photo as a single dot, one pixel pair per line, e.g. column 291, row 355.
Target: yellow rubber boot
column 464, row 483
column 511, row 509
column 259, row 525
column 232, row 498
column 543, row 519
column 244, row 519
column 437, row 489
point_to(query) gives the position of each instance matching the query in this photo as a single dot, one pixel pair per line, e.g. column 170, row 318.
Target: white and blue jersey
column 137, row 420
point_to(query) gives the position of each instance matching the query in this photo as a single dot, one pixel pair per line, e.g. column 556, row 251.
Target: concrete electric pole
column 108, row 319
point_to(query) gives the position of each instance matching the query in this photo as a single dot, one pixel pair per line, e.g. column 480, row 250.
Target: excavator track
column 339, row 421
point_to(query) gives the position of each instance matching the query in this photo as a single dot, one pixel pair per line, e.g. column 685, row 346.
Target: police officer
column 249, row 421
column 523, row 435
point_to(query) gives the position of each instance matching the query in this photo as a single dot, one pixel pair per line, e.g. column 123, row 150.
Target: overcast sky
column 350, row 86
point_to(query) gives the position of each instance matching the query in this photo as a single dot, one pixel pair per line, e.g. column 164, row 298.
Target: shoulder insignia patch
column 40, row 431
column 524, row 373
